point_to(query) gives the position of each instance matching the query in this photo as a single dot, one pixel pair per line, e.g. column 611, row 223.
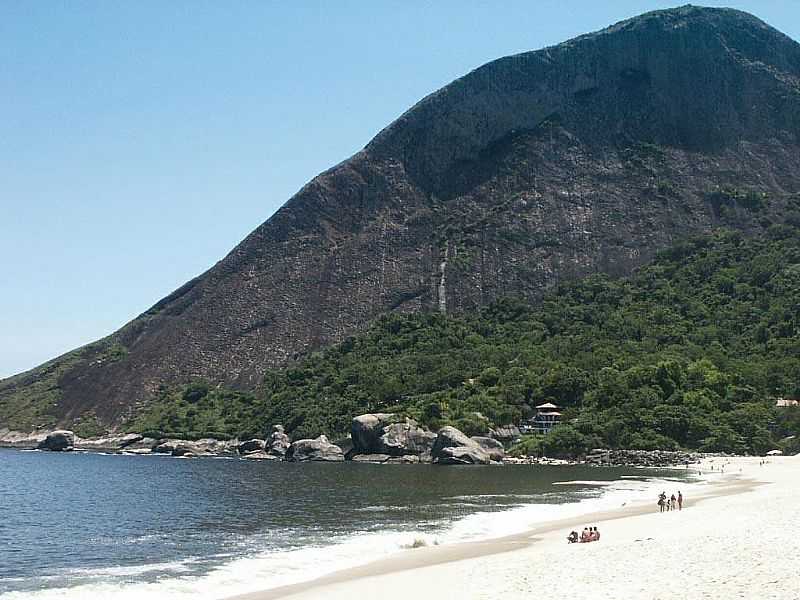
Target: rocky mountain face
column 549, row 165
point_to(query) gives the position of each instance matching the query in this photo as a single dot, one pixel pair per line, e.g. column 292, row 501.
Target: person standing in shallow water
column 680, row 501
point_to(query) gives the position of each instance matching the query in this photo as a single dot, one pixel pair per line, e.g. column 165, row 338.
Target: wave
column 578, row 482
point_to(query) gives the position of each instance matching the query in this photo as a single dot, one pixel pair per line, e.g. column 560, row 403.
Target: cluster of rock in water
column 374, row 438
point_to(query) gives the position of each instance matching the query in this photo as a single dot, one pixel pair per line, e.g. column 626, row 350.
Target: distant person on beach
column 585, row 535
column 572, row 537
column 596, row 535
column 680, row 500
column 672, row 502
column 662, row 500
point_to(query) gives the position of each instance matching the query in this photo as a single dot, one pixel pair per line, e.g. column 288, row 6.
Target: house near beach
column 786, row 402
column 547, row 416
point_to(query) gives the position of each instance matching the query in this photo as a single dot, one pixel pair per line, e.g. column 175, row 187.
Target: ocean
column 84, row 526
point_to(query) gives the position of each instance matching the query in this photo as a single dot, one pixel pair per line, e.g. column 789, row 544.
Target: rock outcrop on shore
column 273, row 448
column 492, row 447
column 251, row 446
column 143, row 446
column 259, row 455
column 111, row 443
column 21, row 439
column 380, row 438
column 642, row 458
column 316, row 450
column 453, row 447
column 190, row 448
column 389, row 438
column 58, row 441
column 385, row 434
column 278, row 443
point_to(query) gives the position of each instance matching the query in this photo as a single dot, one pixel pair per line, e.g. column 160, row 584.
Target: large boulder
column 319, row 449
column 202, row 447
column 492, row 447
column 215, row 446
column 58, row 441
column 278, row 442
column 453, row 447
column 249, row 446
column 366, row 431
column 450, row 437
column 462, row 455
column 406, row 438
column 389, row 434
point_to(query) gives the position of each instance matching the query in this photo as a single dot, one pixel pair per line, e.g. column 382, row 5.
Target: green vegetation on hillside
column 36, row 392
column 690, row 352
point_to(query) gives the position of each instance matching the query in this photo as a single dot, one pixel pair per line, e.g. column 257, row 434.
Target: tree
column 564, row 441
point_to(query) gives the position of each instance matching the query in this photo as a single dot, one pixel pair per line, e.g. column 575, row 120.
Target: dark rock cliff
column 583, row 157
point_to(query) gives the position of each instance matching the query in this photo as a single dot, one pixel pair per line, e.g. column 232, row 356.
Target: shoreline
column 438, row 557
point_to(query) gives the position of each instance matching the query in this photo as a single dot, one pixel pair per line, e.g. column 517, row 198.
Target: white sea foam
column 578, row 482
column 263, row 570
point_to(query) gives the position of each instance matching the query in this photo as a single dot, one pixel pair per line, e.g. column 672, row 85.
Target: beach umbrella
column 774, row 453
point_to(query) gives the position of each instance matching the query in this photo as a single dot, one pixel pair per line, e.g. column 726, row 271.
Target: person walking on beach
column 680, row 500
column 672, row 502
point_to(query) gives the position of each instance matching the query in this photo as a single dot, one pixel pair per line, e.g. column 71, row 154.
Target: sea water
column 81, row 526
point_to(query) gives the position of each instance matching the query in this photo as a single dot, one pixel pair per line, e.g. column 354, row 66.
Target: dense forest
column 691, row 352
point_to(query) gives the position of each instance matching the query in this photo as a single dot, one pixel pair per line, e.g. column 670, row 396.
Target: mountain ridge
column 547, row 165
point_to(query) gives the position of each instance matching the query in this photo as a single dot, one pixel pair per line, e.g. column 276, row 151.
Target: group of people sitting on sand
column 590, row 534
column 672, row 503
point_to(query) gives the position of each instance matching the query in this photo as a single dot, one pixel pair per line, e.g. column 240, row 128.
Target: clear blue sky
column 140, row 141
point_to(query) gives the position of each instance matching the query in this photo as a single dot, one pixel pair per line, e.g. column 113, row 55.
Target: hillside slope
column 533, row 169
column 691, row 351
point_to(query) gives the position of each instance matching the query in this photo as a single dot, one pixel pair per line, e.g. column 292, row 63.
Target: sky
column 141, row 141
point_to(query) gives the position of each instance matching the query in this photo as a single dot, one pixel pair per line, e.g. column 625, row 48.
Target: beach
column 733, row 539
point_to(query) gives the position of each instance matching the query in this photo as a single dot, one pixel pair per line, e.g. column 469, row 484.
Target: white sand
column 744, row 545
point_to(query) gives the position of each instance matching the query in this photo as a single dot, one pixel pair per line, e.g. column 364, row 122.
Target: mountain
column 534, row 169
